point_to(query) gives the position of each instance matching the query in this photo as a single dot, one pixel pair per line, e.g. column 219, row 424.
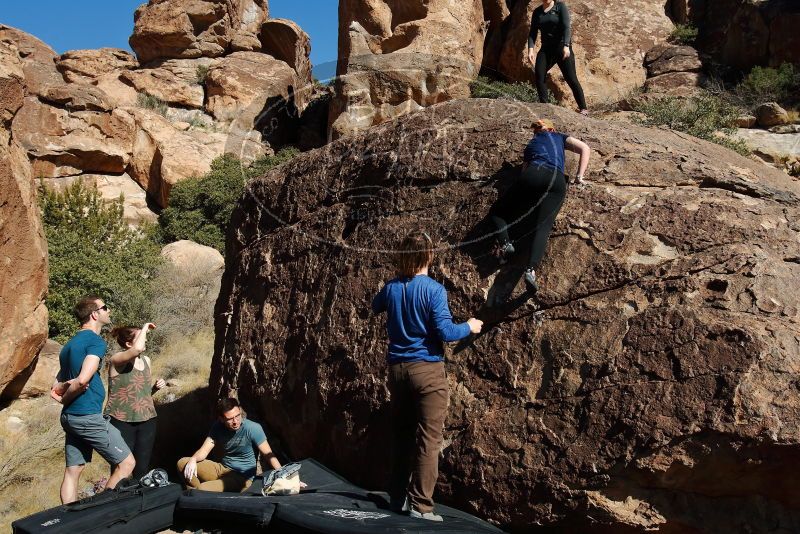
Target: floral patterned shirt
column 129, row 394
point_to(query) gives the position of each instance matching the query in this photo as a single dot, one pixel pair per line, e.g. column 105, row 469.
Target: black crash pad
column 329, row 504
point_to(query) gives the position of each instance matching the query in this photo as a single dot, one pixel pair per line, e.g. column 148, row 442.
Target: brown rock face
column 23, row 257
column 746, row 33
column 240, row 85
column 37, row 379
column 610, row 39
column 164, row 85
column 84, row 66
column 188, row 29
column 286, row 41
column 651, row 383
column 36, row 59
column 398, row 56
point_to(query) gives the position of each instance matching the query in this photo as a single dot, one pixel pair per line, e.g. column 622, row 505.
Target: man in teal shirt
column 237, row 438
column 79, row 388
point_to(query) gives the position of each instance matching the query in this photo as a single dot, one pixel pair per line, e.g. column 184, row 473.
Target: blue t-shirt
column 71, row 359
column 546, row 148
column 418, row 319
column 238, row 447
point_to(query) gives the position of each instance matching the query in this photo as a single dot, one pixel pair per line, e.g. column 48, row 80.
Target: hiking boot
column 399, row 506
column 430, row 516
column 530, row 281
column 504, row 251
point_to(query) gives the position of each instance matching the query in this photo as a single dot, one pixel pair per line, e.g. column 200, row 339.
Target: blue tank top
column 546, row 148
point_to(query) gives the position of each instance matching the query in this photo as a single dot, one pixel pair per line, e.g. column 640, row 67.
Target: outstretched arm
column 443, row 319
column 266, row 451
column 581, row 148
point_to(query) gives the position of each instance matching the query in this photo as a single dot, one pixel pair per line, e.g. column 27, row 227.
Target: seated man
column 238, row 437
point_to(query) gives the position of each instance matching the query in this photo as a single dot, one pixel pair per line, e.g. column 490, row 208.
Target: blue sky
column 69, row 25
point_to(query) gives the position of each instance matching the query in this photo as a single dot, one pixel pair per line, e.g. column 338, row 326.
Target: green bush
column 200, row 208
column 201, row 72
column 703, row 116
column 92, row 250
column 485, row 87
column 684, row 34
column 148, row 101
column 765, row 84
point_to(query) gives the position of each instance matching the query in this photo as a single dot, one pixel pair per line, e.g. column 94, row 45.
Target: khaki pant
column 213, row 476
column 418, row 407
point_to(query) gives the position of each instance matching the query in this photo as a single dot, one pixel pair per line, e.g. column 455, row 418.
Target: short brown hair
column 414, row 253
column 85, row 307
column 124, row 335
column 226, row 405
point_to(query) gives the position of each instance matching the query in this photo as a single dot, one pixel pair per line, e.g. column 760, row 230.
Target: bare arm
column 582, row 149
column 80, row 384
column 120, row 359
column 266, row 450
column 190, row 470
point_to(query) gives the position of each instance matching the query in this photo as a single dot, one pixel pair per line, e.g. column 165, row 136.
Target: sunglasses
column 103, row 307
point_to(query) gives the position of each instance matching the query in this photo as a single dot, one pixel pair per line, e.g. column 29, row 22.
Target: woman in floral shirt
column 130, row 394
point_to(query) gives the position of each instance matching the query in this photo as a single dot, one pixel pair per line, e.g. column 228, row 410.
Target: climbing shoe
column 430, row 516
column 530, row 281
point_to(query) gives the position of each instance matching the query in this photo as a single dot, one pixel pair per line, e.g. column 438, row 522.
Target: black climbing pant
column 545, row 59
column 530, row 207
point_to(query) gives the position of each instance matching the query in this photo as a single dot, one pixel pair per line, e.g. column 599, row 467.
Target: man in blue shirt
column 238, row 438
column 418, row 321
column 79, row 388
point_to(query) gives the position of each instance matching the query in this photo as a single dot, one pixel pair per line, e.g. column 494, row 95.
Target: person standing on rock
column 534, row 200
column 130, row 394
column 79, row 388
column 552, row 19
column 418, row 321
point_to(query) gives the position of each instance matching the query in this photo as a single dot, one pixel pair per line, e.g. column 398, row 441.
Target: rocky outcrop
column 166, row 86
column 780, row 149
column 610, row 40
column 162, row 155
column 396, row 57
column 36, row 59
column 241, row 85
column 85, row 66
column 651, row 383
column 746, row 33
column 187, row 29
column 286, row 41
column 38, row 378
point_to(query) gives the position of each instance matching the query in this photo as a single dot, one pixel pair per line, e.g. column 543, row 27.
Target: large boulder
column 284, row 40
column 23, row 259
column 746, row 33
column 396, row 57
column 610, row 39
column 38, row 378
column 187, row 255
column 652, row 382
column 166, row 86
column 188, row 29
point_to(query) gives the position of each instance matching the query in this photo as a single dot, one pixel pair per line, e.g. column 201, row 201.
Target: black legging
column 530, row 206
column 545, row 59
column 140, row 438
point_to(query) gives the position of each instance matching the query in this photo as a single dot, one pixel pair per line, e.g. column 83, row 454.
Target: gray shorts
column 87, row 432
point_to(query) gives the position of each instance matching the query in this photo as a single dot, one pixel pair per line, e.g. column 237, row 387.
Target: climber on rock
column 552, row 19
column 418, row 321
column 534, row 200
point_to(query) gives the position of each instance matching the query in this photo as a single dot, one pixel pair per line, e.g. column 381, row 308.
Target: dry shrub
column 32, row 461
column 186, row 362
